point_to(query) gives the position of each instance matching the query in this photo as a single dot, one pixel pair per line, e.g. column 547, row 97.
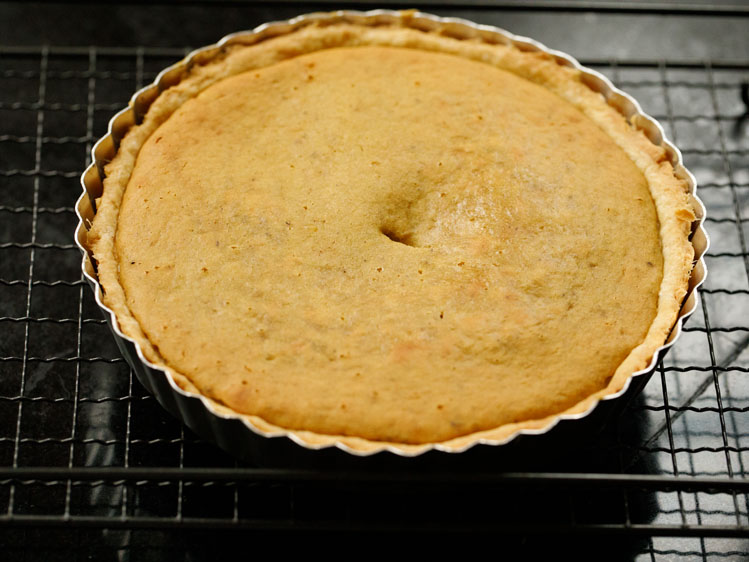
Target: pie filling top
column 389, row 243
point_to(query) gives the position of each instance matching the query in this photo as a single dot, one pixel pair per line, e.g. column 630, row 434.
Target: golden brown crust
column 668, row 193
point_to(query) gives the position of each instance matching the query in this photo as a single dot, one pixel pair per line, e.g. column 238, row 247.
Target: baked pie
column 380, row 233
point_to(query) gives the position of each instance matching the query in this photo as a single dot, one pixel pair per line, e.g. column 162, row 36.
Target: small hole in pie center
column 399, row 237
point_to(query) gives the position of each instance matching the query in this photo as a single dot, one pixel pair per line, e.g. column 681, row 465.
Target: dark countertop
column 584, row 34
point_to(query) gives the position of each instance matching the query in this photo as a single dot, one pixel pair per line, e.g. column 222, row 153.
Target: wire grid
column 85, row 446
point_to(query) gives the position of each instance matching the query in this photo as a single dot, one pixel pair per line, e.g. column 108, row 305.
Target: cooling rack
column 89, row 460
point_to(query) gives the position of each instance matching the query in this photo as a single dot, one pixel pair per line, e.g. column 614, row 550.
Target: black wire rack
column 88, row 458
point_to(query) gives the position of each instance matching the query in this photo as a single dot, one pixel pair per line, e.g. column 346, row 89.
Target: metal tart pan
column 238, row 434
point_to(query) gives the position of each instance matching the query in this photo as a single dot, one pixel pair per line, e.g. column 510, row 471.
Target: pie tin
column 238, row 434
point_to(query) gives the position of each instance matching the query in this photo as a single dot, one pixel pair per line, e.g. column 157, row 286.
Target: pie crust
column 384, row 234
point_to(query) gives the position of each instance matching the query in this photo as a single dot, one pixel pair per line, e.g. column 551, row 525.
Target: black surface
column 584, row 34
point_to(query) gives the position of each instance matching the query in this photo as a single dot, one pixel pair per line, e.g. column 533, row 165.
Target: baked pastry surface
column 392, row 235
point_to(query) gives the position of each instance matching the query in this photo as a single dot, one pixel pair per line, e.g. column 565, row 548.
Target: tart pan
column 250, row 438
